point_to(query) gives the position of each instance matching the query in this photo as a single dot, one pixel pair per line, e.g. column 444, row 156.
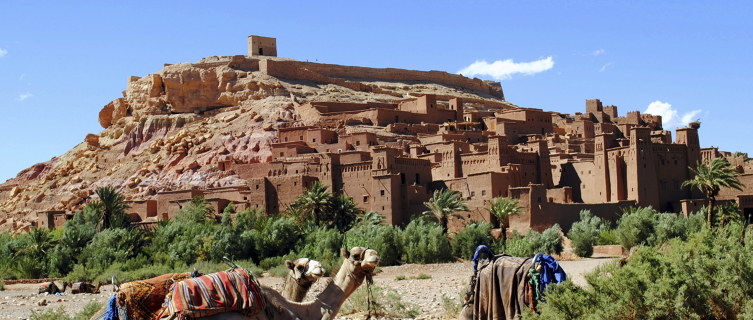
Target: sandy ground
column 18, row 301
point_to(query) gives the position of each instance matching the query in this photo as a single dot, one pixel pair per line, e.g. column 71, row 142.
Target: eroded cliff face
column 171, row 129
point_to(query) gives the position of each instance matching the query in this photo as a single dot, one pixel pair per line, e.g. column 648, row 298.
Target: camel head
column 362, row 260
column 305, row 269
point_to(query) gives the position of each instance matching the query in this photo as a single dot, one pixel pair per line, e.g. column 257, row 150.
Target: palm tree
column 711, row 178
column 443, row 204
column 502, row 208
column 344, row 212
column 196, row 210
column 113, row 206
column 315, row 203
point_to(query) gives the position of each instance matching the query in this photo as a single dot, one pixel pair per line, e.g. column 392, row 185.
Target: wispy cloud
column 24, row 96
column 671, row 118
column 22, row 77
column 504, row 69
column 605, row 66
column 3, row 52
column 598, row 52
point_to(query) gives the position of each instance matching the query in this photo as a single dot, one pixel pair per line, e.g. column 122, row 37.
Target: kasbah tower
column 260, row 129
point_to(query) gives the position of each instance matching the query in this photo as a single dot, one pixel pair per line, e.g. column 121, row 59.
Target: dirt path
column 449, row 279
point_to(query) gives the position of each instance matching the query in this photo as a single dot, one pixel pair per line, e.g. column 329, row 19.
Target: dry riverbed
column 448, row 279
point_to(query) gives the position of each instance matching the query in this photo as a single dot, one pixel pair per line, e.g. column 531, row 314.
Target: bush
column 706, row 277
column 635, row 227
column 183, row 240
column 110, row 246
column 607, row 237
column 465, row 242
column 387, row 302
column 584, row 233
column 549, row 241
column 59, row 314
column 669, row 226
column 278, row 237
column 382, row 238
column 424, row 242
column 323, row 245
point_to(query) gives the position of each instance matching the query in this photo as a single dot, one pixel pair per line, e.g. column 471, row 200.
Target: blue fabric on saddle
column 551, row 272
column 111, row 313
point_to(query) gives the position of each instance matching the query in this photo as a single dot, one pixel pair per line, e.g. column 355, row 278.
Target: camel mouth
column 318, row 273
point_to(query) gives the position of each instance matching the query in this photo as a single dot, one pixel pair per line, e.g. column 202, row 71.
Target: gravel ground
column 18, row 301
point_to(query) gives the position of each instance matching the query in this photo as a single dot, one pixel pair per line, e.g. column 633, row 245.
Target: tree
column 583, row 234
column 502, row 208
column 443, row 204
column 197, row 210
column 711, row 178
column 112, row 208
column 344, row 212
column 314, row 204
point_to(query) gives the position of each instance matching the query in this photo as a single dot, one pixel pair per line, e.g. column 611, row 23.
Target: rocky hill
column 171, row 128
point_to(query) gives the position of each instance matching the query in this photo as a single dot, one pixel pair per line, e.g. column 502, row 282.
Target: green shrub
column 279, row 271
column 669, row 226
column 549, row 241
column 400, row 278
column 183, row 240
column 59, row 314
column 387, row 302
column 323, row 245
column 607, row 237
column 424, row 242
column 584, row 233
column 709, row 276
column 635, row 226
column 278, row 237
column 452, row 305
column 2, row 285
column 382, row 238
column 112, row 245
column 422, row 276
column 475, row 233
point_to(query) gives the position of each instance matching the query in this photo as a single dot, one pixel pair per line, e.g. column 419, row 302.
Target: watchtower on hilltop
column 262, row 46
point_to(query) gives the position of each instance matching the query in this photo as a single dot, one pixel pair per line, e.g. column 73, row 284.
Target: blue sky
column 60, row 63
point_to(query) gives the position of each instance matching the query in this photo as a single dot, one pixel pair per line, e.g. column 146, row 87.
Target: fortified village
column 257, row 130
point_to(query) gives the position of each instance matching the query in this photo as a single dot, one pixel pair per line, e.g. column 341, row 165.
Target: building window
column 473, row 193
column 286, row 139
column 282, row 154
column 257, row 187
column 402, row 177
column 677, row 185
column 358, row 143
column 664, row 186
column 365, row 199
column 381, row 192
column 418, row 178
column 483, row 192
column 313, row 140
column 675, row 162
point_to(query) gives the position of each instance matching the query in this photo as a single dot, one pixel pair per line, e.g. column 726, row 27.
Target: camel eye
column 300, row 268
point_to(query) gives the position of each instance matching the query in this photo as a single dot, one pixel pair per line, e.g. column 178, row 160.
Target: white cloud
column 671, row 118
column 598, row 52
column 3, row 52
column 22, row 76
column 605, row 66
column 24, row 96
column 504, row 69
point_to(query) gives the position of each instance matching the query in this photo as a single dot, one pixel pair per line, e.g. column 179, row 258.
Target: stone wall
column 319, row 72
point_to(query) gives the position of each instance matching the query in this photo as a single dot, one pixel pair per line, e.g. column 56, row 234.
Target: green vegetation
column 585, row 233
column 443, row 204
column 60, row 314
column 452, row 307
column 701, row 274
column 711, row 178
column 503, row 208
column 386, row 303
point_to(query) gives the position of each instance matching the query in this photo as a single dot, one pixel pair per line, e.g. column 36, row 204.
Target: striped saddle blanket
column 232, row 290
column 143, row 299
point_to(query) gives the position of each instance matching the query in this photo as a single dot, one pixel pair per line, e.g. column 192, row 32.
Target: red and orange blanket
column 232, row 290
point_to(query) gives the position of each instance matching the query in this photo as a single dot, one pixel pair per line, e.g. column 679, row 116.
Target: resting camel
column 358, row 264
column 51, row 287
column 85, row 287
column 303, row 273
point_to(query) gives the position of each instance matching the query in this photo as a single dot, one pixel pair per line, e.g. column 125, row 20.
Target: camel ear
column 289, row 264
column 345, row 253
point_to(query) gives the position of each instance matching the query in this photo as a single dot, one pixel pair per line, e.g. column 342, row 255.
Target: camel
column 359, row 263
column 85, row 287
column 303, row 273
column 51, row 287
